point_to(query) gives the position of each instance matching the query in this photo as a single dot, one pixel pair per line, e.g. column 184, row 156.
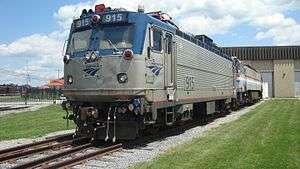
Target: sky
column 33, row 32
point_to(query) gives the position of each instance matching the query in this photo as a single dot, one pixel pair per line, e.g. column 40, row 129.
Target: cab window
column 157, row 39
column 168, row 44
column 80, row 41
column 116, row 37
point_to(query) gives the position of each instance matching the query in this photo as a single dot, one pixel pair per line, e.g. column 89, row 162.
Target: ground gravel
column 17, row 142
column 127, row 158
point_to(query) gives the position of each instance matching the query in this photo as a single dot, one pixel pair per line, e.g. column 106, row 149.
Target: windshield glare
column 112, row 37
column 80, row 41
column 116, row 37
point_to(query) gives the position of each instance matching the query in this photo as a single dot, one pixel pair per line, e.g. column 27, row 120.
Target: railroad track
column 70, row 157
column 67, row 155
column 78, row 154
column 35, row 147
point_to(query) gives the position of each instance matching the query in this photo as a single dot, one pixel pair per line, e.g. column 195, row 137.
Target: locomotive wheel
column 153, row 130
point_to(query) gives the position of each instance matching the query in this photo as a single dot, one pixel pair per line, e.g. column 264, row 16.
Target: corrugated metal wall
column 264, row 53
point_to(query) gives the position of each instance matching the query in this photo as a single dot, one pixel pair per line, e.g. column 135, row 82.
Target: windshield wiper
column 118, row 51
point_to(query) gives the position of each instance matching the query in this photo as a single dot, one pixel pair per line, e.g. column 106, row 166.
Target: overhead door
column 297, row 84
column 267, row 84
column 265, row 90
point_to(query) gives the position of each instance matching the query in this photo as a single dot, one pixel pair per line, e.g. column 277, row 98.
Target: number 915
column 113, row 17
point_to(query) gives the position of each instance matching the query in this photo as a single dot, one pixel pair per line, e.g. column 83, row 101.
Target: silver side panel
column 201, row 73
column 253, row 79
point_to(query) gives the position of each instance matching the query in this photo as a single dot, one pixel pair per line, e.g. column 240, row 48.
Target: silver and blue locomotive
column 127, row 72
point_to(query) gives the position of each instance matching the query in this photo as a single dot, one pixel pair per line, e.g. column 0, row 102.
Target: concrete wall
column 284, row 78
column 297, row 65
column 261, row 65
column 278, row 63
column 283, row 74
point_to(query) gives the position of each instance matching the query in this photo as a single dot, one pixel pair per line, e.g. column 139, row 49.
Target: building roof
column 264, row 52
column 56, row 83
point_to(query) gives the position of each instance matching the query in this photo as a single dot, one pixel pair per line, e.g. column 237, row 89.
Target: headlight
column 93, row 56
column 69, row 79
column 122, row 77
column 87, row 55
column 66, row 58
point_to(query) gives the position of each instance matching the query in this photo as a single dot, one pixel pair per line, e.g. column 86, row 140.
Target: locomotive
column 127, row 72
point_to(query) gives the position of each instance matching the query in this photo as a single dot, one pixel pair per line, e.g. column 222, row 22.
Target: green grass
column 267, row 137
column 33, row 123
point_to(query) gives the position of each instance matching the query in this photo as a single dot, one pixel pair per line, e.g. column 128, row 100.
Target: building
column 56, row 83
column 279, row 66
column 11, row 89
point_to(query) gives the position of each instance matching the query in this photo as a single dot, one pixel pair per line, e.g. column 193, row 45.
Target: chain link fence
column 29, row 94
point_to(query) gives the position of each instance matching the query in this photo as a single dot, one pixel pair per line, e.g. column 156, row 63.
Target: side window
column 157, row 40
column 168, row 44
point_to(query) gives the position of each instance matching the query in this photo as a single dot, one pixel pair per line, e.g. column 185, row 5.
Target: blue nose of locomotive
column 104, row 60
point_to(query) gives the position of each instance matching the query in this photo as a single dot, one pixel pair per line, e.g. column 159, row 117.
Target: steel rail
column 24, row 146
column 34, row 163
column 79, row 159
column 16, row 154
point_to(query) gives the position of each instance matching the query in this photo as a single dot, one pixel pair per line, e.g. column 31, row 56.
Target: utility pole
column 27, row 81
column 58, row 72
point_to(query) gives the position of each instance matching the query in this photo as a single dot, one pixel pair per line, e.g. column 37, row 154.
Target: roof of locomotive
column 160, row 20
column 250, row 67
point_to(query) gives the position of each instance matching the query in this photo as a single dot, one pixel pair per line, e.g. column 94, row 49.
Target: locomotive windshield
column 116, row 37
column 80, row 41
column 109, row 38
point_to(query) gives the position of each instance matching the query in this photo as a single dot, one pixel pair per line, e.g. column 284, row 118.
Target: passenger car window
column 157, row 40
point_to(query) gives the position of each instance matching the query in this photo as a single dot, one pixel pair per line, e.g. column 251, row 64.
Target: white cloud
column 67, row 13
column 35, row 44
column 275, row 20
column 194, row 16
column 280, row 29
column 198, row 17
column 282, row 35
column 207, row 25
column 44, row 55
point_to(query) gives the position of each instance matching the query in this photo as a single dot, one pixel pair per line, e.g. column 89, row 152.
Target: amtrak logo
column 155, row 69
column 91, row 71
